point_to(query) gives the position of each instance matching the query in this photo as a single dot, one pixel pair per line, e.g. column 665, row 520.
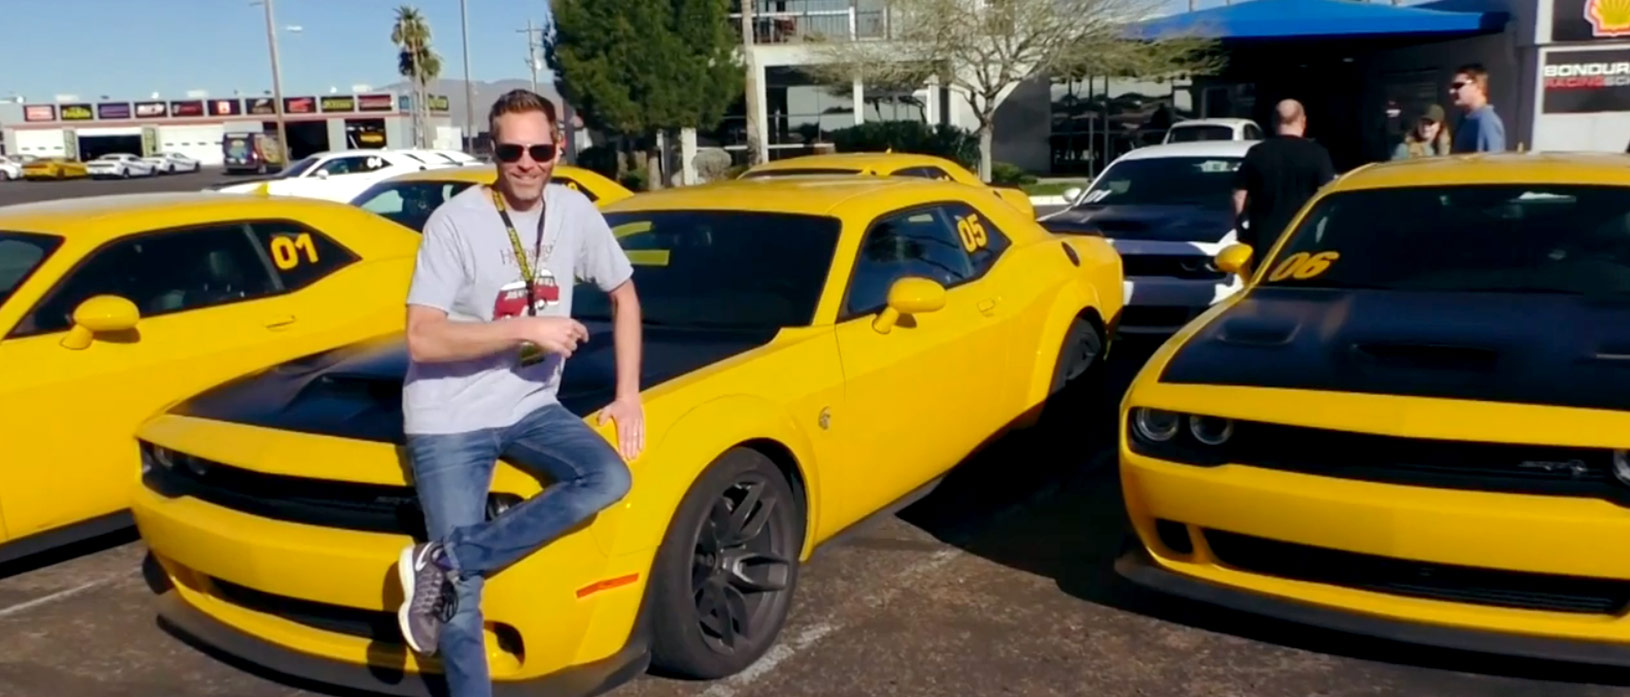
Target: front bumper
column 1546, row 576
column 1163, row 304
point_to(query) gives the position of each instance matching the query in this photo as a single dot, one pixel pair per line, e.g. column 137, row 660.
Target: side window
column 162, row 273
column 921, row 242
column 572, row 184
column 936, row 173
column 978, row 236
column 1252, row 132
column 301, row 256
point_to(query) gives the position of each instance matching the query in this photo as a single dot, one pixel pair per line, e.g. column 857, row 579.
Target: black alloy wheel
column 726, row 573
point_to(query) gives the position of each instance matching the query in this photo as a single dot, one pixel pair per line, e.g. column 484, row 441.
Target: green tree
column 418, row 63
column 642, row 67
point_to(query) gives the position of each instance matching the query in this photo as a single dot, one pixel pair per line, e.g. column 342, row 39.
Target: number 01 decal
column 1301, row 266
column 286, row 250
column 972, row 232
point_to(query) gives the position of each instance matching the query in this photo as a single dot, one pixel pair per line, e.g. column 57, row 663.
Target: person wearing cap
column 1429, row 137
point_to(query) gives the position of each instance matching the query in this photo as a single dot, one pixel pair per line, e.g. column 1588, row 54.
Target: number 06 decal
column 972, row 232
column 1301, row 266
column 286, row 250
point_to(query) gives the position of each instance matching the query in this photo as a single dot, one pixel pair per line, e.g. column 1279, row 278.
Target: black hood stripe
column 1555, row 350
column 356, row 391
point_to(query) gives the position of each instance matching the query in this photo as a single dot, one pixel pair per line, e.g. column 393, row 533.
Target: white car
column 10, row 169
column 1168, row 209
column 1194, row 130
column 122, row 165
column 172, row 162
column 336, row 176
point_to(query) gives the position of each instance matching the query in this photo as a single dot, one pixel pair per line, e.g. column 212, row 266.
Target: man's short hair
column 1477, row 73
column 521, row 101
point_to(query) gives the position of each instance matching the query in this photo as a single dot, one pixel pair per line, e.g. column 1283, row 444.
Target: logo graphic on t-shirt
column 511, row 300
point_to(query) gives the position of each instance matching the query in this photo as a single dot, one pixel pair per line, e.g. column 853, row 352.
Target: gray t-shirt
column 467, row 267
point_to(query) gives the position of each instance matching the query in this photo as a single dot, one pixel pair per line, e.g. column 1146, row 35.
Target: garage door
column 39, row 142
column 202, row 143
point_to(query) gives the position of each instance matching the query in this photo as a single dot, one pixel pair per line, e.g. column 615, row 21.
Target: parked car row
column 108, row 166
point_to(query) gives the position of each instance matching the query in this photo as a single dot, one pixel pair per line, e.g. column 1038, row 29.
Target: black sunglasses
column 511, row 152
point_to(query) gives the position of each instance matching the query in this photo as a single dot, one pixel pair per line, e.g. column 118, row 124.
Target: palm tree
column 415, row 61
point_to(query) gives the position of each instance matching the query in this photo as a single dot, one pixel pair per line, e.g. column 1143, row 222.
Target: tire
column 685, row 641
column 1075, row 373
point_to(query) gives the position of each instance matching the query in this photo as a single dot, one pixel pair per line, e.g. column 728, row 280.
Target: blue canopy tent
column 1305, row 19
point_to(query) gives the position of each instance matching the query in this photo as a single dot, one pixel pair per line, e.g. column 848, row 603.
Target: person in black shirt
column 1277, row 177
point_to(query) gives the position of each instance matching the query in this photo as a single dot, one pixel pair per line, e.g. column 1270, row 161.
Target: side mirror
column 1071, row 194
column 1233, row 258
column 102, row 314
column 909, row 296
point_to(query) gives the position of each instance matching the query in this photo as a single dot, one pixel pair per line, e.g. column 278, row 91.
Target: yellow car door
column 923, row 392
column 209, row 308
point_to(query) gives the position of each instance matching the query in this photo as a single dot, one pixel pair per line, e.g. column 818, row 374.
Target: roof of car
column 1198, row 148
column 1213, row 121
column 111, row 216
column 1609, row 169
column 850, row 159
column 808, row 195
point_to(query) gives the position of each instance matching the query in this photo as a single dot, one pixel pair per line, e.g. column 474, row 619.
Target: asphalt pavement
column 997, row 583
column 23, row 191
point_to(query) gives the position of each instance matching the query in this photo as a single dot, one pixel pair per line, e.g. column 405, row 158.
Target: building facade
column 196, row 127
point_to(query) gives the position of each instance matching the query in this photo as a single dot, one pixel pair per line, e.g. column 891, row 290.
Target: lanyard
column 528, row 274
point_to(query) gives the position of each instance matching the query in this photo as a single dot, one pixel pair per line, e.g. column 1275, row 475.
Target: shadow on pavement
column 57, row 555
column 1050, row 504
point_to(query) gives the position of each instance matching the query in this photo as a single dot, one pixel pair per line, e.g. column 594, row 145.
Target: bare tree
column 985, row 48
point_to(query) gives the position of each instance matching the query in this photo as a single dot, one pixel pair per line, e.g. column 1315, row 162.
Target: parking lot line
column 59, row 595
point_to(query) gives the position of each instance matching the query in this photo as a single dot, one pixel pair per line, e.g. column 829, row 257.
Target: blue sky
column 128, row 49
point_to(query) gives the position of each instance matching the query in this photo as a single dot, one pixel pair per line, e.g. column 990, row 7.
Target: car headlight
column 1196, row 439
column 1211, row 430
column 1157, row 425
column 1621, row 466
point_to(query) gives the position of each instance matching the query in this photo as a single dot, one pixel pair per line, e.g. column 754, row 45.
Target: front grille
column 1185, row 266
column 310, row 501
column 1461, row 584
column 374, row 625
column 1446, row 464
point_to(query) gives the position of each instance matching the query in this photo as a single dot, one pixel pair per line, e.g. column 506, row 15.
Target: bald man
column 1278, row 176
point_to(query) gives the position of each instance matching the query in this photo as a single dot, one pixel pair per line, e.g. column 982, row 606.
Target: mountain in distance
column 485, row 93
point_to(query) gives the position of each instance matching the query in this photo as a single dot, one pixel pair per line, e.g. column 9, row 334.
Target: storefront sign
column 1584, row 82
column 76, row 112
column 149, row 110
column 39, row 112
column 438, row 102
column 262, row 105
column 1589, row 20
column 225, row 107
column 299, row 105
column 339, row 104
column 113, row 110
column 374, row 102
column 188, row 108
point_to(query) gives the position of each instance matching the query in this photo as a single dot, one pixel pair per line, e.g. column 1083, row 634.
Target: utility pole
column 756, row 152
column 469, row 90
column 277, row 84
column 532, row 51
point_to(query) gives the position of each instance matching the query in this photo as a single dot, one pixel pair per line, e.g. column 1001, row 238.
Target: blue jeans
column 453, row 473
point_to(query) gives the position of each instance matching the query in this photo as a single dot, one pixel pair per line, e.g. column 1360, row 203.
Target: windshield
column 408, row 203
column 297, row 168
column 1165, row 181
column 1540, row 238
column 720, row 268
column 20, row 254
column 1189, row 134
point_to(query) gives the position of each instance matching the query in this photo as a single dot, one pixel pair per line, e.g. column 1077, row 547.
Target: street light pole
column 531, row 52
column 469, row 90
column 277, row 83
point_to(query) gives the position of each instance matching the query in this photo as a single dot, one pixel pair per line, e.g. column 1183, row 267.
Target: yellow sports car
column 888, row 164
column 55, row 168
column 815, row 349
column 408, row 199
column 1413, row 421
column 114, row 308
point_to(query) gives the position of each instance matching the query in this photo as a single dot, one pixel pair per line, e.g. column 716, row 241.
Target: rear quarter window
column 300, row 255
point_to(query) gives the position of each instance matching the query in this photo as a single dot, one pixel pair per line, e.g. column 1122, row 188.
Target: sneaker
column 428, row 597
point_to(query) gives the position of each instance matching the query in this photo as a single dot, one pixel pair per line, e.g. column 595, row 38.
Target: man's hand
column 553, row 334
column 630, row 419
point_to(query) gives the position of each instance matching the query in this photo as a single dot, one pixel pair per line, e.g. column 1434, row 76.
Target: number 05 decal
column 286, row 250
column 972, row 232
column 1301, row 266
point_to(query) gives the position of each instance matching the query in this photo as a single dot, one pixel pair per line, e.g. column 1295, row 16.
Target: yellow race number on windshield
column 286, row 250
column 972, row 232
column 1302, row 266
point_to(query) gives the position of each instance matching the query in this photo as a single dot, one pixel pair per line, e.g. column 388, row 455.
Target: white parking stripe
column 54, row 597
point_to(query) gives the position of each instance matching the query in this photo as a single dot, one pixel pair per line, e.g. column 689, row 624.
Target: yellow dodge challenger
column 409, row 199
column 55, row 168
column 888, row 164
column 815, row 349
column 1413, row 422
column 114, row 308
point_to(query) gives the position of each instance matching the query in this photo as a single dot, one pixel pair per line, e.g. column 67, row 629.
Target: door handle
column 987, row 306
column 280, row 322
